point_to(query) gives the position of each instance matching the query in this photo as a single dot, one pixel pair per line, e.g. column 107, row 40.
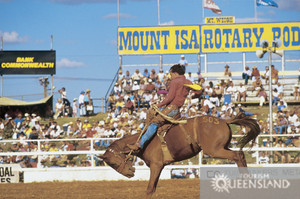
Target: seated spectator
column 121, row 76
column 153, row 76
column 137, row 100
column 263, row 159
column 146, row 73
column 127, row 88
column 232, row 90
column 129, row 105
column 281, row 124
column 214, row 98
column 127, row 76
column 135, row 86
column 146, row 98
column 54, row 133
column 274, row 74
column 117, row 88
column 158, row 85
column 246, row 74
column 219, row 91
column 241, row 93
column 120, row 103
column 227, row 72
column 137, row 76
column 275, row 97
column 150, row 86
column 111, row 100
column 86, row 125
column 279, row 88
column 189, row 77
column 265, row 76
column 280, row 106
column 208, row 90
column 34, row 134
column 255, row 73
column 257, row 85
column 296, row 92
column 263, row 97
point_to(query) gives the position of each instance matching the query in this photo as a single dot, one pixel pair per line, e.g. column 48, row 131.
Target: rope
column 169, row 119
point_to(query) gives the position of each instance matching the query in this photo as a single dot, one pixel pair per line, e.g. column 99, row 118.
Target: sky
column 85, row 37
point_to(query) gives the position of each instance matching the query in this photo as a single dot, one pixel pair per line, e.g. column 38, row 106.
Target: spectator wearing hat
column 183, row 62
column 246, row 74
column 75, row 107
column 137, row 76
column 227, row 72
column 150, row 86
column 241, row 93
column 255, row 73
column 296, row 92
column 117, row 88
column 81, row 103
column 257, row 85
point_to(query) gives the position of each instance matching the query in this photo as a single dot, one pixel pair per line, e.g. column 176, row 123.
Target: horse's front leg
column 155, row 170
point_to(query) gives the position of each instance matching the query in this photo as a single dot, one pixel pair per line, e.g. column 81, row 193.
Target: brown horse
column 211, row 134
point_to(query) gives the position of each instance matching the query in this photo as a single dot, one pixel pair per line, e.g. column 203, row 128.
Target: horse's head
column 116, row 159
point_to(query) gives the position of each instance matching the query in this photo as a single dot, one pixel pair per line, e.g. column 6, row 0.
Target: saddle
column 163, row 130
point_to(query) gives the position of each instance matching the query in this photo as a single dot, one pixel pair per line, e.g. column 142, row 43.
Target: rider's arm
column 170, row 96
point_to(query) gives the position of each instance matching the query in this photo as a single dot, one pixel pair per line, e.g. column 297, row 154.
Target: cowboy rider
column 172, row 102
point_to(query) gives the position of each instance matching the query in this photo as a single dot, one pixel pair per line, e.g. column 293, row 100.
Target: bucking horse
column 183, row 141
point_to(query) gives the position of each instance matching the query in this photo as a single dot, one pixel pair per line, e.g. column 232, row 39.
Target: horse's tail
column 246, row 121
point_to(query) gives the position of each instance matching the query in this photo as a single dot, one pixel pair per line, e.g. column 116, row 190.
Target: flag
column 266, row 3
column 210, row 4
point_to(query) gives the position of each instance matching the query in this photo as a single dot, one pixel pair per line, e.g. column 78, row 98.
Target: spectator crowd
column 131, row 97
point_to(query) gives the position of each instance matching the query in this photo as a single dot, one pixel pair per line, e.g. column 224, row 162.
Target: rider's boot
column 146, row 137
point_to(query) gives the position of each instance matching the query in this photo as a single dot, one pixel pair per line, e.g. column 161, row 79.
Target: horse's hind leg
column 155, row 170
column 237, row 156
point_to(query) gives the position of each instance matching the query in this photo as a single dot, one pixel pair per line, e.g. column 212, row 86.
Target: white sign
column 9, row 173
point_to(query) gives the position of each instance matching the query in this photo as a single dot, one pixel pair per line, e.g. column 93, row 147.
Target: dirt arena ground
column 166, row 189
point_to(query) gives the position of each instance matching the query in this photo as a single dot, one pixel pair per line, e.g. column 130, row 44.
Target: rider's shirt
column 177, row 92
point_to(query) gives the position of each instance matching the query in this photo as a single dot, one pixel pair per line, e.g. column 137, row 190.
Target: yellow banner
column 247, row 37
column 219, row 20
column 159, row 40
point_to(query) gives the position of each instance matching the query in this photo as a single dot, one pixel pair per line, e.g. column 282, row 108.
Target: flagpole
column 255, row 19
column 203, row 20
column 118, row 10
